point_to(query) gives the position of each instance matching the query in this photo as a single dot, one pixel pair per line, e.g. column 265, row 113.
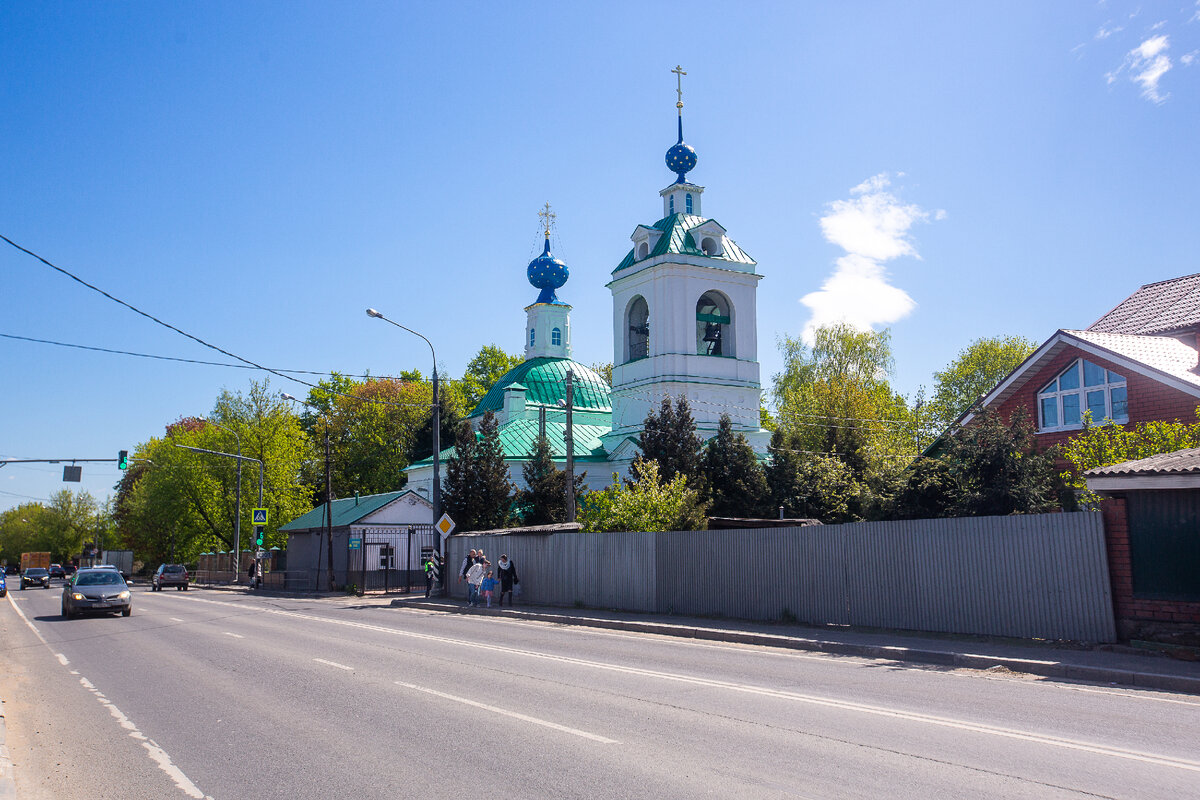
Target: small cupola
column 709, row 237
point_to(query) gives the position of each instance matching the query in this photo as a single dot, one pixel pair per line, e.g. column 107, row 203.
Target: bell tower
column 684, row 316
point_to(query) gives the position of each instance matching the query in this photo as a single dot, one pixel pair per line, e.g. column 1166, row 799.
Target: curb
column 1029, row 666
column 8, row 785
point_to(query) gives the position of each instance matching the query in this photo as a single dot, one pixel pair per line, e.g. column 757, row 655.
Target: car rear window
column 174, row 568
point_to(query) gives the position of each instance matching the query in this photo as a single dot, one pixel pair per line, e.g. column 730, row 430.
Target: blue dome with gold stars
column 547, row 273
column 681, row 159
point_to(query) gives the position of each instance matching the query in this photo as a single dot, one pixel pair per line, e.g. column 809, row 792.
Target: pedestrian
column 430, row 571
column 252, row 573
column 474, row 579
column 508, row 578
column 488, row 586
column 468, row 560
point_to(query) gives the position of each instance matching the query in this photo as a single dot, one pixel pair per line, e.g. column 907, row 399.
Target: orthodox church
column 684, row 322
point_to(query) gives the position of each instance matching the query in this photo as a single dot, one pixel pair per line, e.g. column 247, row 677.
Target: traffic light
column 258, row 535
column 123, row 459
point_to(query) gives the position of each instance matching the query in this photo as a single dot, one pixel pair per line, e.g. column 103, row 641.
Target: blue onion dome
column 547, row 273
column 681, row 159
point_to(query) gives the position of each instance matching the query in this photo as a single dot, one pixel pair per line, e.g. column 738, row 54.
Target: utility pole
column 569, row 441
column 328, row 513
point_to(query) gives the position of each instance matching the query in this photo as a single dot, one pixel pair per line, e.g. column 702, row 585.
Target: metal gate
column 389, row 558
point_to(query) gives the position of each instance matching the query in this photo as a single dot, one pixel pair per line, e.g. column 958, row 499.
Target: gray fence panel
column 1030, row 576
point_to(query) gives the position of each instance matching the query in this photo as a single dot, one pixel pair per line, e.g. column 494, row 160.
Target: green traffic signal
column 258, row 535
column 123, row 459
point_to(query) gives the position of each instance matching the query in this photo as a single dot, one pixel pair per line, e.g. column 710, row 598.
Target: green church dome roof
column 545, row 382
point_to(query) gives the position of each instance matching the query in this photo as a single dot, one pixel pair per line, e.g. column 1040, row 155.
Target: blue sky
column 258, row 174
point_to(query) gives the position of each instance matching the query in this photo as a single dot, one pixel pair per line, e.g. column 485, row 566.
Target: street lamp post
column 437, row 418
column 237, row 522
column 328, row 498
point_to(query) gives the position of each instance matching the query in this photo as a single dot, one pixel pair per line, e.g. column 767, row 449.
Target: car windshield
column 36, row 572
column 98, row 579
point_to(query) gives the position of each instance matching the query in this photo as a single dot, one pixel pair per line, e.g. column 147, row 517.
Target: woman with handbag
column 508, row 578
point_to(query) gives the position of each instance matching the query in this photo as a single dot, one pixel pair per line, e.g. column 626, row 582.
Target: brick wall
column 1127, row 608
column 1148, row 399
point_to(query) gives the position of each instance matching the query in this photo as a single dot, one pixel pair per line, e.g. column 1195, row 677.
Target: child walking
column 488, row 586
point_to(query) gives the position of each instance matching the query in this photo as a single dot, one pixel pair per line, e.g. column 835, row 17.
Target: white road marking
column 156, row 753
column 333, row 664
column 508, row 713
column 175, row 619
column 928, row 719
column 234, row 635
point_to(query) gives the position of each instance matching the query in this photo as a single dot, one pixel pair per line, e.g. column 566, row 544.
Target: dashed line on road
column 175, row 619
column 234, row 635
column 156, row 753
column 515, row 715
column 845, row 705
column 333, row 664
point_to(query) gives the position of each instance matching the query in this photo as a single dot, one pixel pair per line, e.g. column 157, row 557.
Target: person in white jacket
column 475, row 575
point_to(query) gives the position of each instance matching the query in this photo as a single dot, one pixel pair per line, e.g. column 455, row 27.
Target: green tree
column 974, row 372
column 544, row 501
column 646, row 503
column 1110, row 443
column 487, row 367
column 604, row 370
column 180, row 503
column 669, row 439
column 737, row 486
column 988, row 468
column 808, row 485
column 477, row 493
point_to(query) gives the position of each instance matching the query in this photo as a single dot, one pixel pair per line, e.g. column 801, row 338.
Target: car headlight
column 123, row 596
column 77, row 596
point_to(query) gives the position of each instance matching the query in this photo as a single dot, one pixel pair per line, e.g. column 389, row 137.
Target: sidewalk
column 1107, row 664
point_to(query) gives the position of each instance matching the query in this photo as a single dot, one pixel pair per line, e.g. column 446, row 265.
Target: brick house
column 1137, row 363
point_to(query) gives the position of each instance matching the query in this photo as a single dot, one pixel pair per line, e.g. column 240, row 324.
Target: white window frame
column 1081, row 391
column 556, row 337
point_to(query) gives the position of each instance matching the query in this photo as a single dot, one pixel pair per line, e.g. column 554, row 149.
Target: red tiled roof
column 1155, row 308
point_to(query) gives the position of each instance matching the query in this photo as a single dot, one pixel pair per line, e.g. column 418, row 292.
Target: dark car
column 169, row 575
column 35, row 576
column 57, row 571
column 96, row 590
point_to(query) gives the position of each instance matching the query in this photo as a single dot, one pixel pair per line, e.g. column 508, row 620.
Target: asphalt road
column 209, row 694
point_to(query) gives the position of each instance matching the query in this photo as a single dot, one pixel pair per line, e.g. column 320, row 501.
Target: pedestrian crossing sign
column 259, row 516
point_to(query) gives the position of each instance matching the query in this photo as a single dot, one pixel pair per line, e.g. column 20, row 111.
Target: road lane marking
column 234, row 635
column 62, row 659
column 333, row 664
column 507, row 713
column 845, row 705
column 175, row 619
column 156, row 753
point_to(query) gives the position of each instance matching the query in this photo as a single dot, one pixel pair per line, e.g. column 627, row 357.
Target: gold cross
column 548, row 218
column 679, row 73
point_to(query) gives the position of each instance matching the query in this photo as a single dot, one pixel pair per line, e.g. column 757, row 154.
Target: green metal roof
column 518, row 436
column 676, row 239
column 545, row 382
column 346, row 511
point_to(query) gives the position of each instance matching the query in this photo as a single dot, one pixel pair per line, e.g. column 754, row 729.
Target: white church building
column 684, row 316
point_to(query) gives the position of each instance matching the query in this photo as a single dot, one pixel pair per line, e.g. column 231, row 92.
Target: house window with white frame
column 1080, row 388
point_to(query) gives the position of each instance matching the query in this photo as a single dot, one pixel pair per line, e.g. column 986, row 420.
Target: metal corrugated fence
column 1030, row 576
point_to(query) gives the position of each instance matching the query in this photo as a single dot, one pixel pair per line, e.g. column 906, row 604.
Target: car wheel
column 127, row 611
column 179, row 588
column 68, row 613
column 185, row 587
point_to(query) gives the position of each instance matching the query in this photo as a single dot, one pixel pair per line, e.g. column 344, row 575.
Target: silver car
column 96, row 590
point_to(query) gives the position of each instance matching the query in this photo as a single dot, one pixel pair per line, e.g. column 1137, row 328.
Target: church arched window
column 643, row 250
column 637, row 330
column 714, row 331
column 687, row 202
column 710, row 246
column 556, row 337
column 531, row 336
column 671, row 204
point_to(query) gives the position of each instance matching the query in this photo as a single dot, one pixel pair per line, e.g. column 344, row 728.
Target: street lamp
column 237, row 522
column 437, row 419
column 328, row 497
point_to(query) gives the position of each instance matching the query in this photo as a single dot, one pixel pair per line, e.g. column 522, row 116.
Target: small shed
column 1152, row 525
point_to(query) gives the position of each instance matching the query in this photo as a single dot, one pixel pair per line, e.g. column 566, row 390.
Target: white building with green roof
column 684, row 323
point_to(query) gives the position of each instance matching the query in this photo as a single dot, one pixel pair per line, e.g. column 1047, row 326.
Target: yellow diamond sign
column 444, row 525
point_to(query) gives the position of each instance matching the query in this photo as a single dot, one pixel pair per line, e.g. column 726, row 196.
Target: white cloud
column 1107, row 30
column 872, row 227
column 1188, row 59
column 1147, row 63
